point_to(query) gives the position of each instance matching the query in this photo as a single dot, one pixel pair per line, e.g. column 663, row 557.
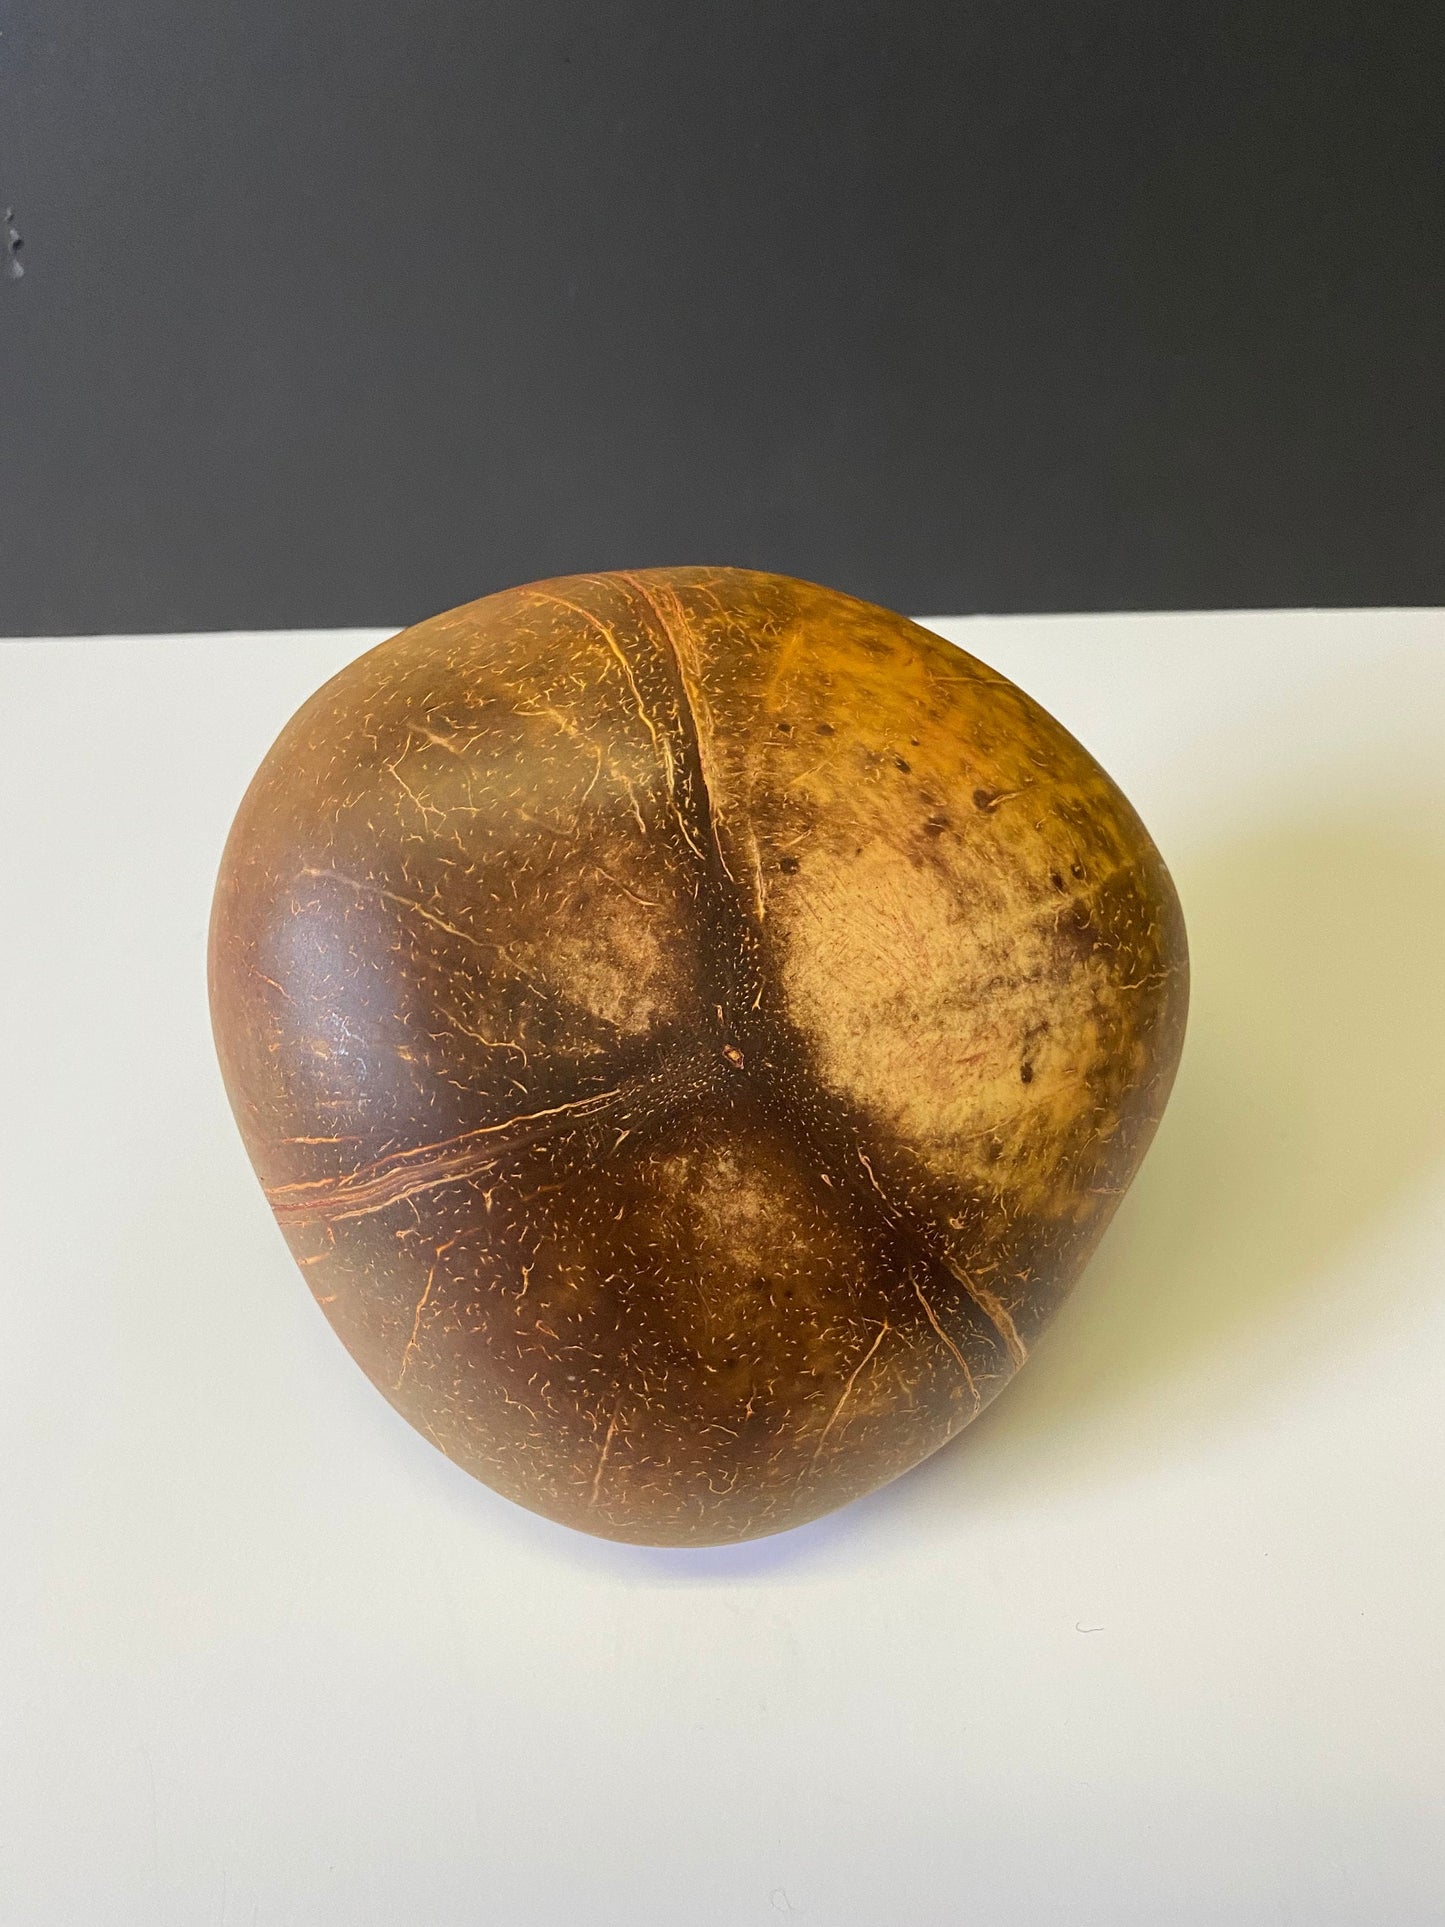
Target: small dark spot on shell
column 825, row 729
column 1076, row 930
column 984, row 799
column 1026, row 1073
column 935, row 825
column 783, row 729
column 898, row 763
column 1077, row 869
column 787, row 864
column 913, row 741
column 1056, row 880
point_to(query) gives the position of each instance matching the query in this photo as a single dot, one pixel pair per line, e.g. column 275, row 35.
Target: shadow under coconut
column 1308, row 1103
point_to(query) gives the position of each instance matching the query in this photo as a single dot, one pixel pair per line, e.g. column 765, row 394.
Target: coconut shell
column 692, row 1028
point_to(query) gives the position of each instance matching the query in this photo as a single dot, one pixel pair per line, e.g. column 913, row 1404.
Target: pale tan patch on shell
column 925, row 1014
column 777, row 1274
column 743, row 1207
column 926, row 833
column 617, row 965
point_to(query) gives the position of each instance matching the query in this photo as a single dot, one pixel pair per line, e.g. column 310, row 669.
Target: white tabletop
column 1160, row 1640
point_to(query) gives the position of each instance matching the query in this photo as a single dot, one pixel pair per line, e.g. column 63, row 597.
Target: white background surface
column 1160, row 1640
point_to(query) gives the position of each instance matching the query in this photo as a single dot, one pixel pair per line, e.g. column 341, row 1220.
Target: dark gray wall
column 336, row 311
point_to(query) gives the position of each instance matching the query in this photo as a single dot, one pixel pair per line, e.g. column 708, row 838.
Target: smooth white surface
column 1160, row 1640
